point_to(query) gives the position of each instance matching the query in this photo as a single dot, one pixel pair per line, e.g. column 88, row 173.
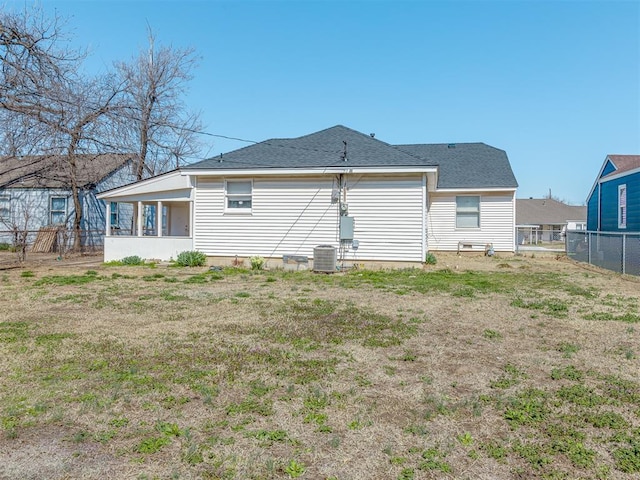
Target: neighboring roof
column 546, row 211
column 52, row 171
column 623, row 163
column 468, row 165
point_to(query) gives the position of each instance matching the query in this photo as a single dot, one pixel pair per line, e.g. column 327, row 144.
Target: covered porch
column 152, row 219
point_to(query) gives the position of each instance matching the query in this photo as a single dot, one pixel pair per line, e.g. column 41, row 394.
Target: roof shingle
column 466, row 165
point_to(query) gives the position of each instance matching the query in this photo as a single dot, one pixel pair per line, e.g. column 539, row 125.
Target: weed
column 580, row 395
column 627, row 317
column 628, row 458
column 570, row 373
column 191, row 258
column 465, row 439
column 433, row 460
column 257, row 262
column 491, row 334
column 527, row 408
column 407, row 474
column 27, row 274
column 494, row 450
column 66, row 280
column 568, row 349
column 551, row 306
column 430, row 259
column 294, row 469
column 152, row 444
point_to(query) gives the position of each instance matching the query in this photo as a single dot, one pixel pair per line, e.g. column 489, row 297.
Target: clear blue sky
column 554, row 83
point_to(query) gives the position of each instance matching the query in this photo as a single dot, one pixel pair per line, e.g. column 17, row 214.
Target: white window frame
column 465, row 211
column 57, row 211
column 238, row 197
column 622, row 206
column 115, row 214
column 5, row 205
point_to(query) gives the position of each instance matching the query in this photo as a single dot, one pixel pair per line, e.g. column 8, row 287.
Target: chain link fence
column 619, row 252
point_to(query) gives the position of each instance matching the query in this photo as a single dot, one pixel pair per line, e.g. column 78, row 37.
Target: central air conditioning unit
column 324, row 259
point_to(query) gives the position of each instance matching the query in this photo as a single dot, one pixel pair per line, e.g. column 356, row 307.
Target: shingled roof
column 546, row 211
column 52, row 171
column 624, row 163
column 467, row 165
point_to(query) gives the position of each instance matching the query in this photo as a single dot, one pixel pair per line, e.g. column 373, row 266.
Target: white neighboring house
column 370, row 200
column 35, row 192
column 547, row 220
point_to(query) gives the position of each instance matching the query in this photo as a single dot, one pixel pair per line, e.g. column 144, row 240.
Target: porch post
column 159, row 219
column 107, row 230
column 139, row 219
column 191, row 219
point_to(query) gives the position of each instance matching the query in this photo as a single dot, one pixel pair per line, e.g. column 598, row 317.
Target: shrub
column 257, row 262
column 191, row 258
column 5, row 246
column 132, row 260
column 430, row 259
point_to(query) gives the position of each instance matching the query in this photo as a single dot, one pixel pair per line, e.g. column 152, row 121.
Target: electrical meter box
column 346, row 228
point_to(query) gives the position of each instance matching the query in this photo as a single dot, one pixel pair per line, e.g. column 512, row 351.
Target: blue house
column 613, row 204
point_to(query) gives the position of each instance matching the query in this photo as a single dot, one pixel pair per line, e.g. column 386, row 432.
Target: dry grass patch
column 479, row 368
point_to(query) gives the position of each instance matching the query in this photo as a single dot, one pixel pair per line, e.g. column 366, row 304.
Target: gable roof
column 468, row 165
column 546, row 211
column 52, row 171
column 623, row 163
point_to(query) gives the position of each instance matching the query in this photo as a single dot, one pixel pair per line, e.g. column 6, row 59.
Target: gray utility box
column 346, row 228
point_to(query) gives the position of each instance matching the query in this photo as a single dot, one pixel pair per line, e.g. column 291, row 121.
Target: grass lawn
column 477, row 367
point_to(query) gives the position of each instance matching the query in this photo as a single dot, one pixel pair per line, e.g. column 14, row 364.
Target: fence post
column 624, row 253
column 589, row 247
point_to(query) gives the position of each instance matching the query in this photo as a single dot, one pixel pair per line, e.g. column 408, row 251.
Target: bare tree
column 49, row 102
column 163, row 131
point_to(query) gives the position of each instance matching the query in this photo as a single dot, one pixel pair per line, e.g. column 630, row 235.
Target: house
column 35, row 192
column 370, row 200
column 613, row 204
column 546, row 219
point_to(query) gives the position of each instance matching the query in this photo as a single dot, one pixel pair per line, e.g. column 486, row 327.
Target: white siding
column 292, row 216
column 388, row 217
column 497, row 222
column 289, row 216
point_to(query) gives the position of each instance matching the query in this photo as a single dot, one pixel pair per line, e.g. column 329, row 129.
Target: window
column 622, row 206
column 239, row 195
column 115, row 220
column 57, row 210
column 5, row 208
column 468, row 212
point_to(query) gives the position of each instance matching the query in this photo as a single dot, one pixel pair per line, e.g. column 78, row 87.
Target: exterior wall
column 609, row 204
column 160, row 248
column 388, row 217
column 497, row 221
column 287, row 217
column 30, row 209
column 592, row 209
column 292, row 216
column 93, row 217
